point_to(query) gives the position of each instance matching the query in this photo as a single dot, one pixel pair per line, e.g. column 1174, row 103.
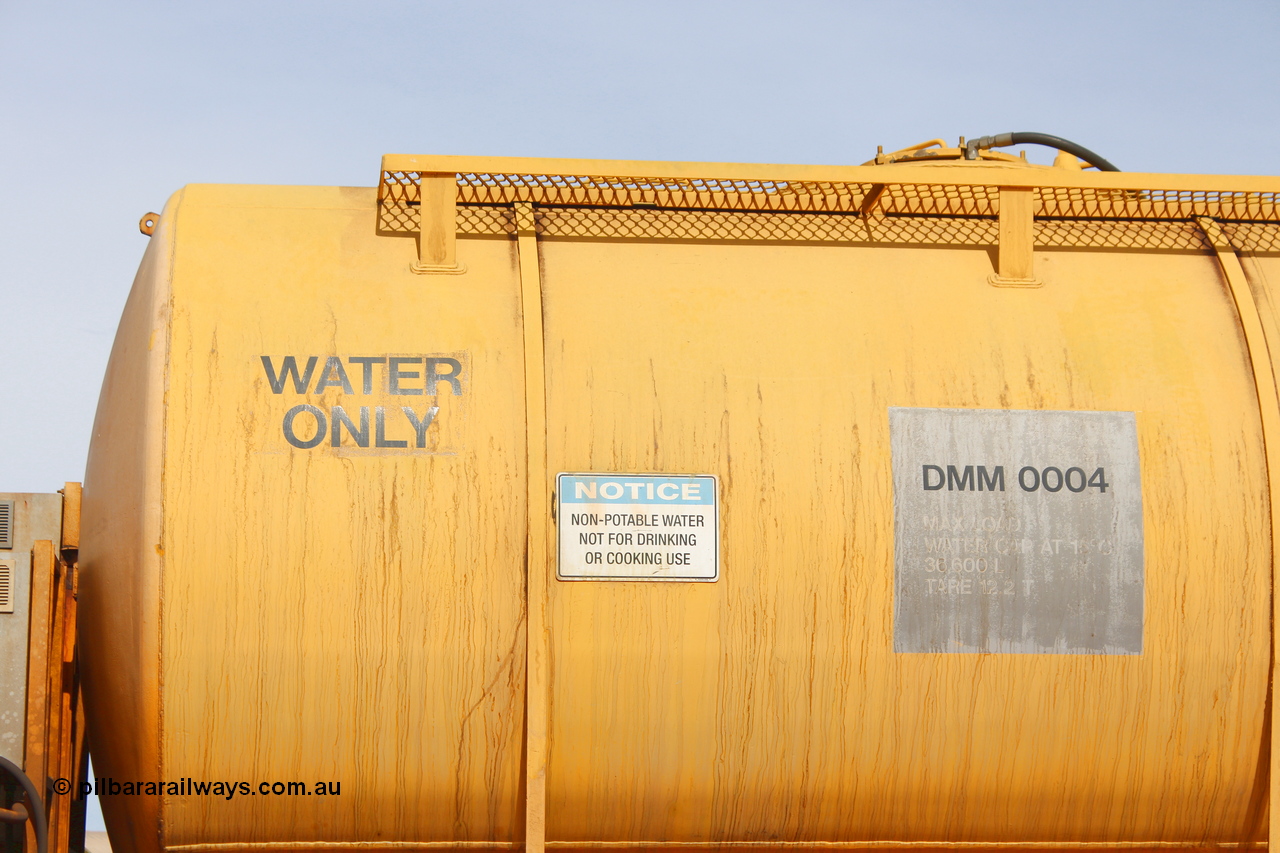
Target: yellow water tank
column 581, row 505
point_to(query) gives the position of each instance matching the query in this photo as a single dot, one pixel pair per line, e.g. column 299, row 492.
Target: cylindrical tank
column 662, row 506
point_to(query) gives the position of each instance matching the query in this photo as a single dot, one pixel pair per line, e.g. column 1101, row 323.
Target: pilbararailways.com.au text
column 109, row 787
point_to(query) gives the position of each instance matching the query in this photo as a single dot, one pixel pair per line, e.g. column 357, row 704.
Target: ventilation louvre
column 6, row 525
column 8, row 570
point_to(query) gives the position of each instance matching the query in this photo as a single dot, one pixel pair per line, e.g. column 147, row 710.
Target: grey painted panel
column 1016, row 531
column 36, row 516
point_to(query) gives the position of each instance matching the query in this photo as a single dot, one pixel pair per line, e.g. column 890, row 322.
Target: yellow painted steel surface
column 257, row 611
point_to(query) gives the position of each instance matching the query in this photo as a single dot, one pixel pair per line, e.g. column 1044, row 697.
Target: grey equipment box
column 24, row 519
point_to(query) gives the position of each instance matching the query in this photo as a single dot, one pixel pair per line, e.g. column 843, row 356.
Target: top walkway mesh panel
column 401, row 189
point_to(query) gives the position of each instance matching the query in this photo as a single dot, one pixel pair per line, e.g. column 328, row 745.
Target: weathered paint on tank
column 265, row 611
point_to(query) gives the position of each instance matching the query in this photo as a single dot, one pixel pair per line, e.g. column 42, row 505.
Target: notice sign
column 638, row 527
column 1016, row 531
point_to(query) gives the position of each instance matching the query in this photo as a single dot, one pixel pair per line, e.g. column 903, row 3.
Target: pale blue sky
column 110, row 107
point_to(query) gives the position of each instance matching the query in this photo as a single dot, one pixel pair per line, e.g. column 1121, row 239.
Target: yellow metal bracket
column 871, row 202
column 1016, row 264
column 1269, row 408
column 437, row 228
column 537, row 656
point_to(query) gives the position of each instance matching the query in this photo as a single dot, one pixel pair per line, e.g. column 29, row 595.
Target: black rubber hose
column 1001, row 140
column 37, row 805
